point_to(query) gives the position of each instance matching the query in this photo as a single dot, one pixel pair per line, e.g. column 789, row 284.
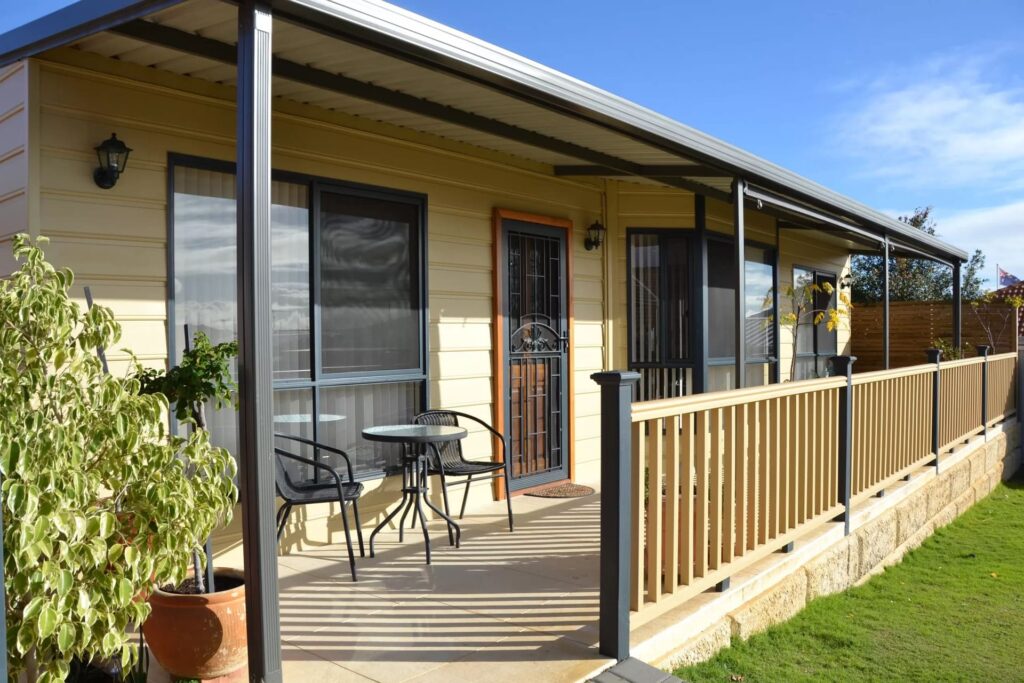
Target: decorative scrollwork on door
column 535, row 335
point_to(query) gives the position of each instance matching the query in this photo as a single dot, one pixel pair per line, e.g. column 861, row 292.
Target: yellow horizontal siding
column 14, row 168
column 115, row 240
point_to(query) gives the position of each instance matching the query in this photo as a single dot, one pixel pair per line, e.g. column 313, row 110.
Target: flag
column 1007, row 279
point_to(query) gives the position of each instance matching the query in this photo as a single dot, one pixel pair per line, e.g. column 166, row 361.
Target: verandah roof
column 379, row 62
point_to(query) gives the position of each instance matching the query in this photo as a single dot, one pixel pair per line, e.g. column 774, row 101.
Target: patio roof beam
column 183, row 41
column 255, row 385
column 649, row 170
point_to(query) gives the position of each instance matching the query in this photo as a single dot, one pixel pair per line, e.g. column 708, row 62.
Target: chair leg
column 465, row 497
column 508, row 503
column 444, row 497
column 348, row 538
column 283, row 513
column 359, row 527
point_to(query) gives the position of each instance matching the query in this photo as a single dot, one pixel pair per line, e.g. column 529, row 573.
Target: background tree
column 914, row 279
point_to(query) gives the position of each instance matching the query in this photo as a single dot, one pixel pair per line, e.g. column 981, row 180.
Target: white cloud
column 944, row 124
column 997, row 230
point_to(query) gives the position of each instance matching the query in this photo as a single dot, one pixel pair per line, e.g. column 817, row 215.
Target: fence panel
column 722, row 479
column 892, row 426
column 1003, row 376
column 960, row 401
column 727, row 478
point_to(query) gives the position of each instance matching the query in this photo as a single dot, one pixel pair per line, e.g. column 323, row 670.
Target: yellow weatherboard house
column 394, row 217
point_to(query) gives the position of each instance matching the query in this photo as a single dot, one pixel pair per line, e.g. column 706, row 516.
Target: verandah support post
column 983, row 350
column 958, row 305
column 255, row 414
column 842, row 366
column 935, row 356
column 885, row 304
column 616, row 543
column 739, row 187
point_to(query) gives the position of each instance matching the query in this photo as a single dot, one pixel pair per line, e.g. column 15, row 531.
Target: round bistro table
column 416, row 441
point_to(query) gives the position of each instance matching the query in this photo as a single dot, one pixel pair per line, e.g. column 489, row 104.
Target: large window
column 348, row 306
column 760, row 344
column 815, row 344
column 659, row 303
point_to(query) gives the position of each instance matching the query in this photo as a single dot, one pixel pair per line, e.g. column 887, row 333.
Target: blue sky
column 898, row 104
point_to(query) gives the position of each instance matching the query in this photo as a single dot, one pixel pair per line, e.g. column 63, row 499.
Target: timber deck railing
column 703, row 486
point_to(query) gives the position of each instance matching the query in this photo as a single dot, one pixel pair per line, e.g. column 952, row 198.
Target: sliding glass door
column 348, row 301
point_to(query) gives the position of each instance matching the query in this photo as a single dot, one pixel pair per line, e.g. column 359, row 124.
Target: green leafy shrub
column 101, row 503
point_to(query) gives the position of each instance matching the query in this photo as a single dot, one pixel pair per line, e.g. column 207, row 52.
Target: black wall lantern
column 113, row 156
column 595, row 236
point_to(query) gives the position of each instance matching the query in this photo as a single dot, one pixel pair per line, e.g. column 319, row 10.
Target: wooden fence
column 720, row 480
column 914, row 326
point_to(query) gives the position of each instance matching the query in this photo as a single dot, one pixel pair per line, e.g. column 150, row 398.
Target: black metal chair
column 452, row 463
column 299, row 489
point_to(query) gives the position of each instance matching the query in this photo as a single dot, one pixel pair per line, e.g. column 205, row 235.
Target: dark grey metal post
column 958, row 307
column 842, row 366
column 701, row 299
column 738, row 187
column 885, row 305
column 935, row 356
column 983, row 350
column 256, row 472
column 616, row 494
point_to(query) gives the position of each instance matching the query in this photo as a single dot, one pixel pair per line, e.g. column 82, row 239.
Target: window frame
column 318, row 380
column 692, row 362
column 816, row 275
column 772, row 251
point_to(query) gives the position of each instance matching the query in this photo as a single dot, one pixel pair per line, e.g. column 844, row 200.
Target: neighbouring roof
column 378, row 61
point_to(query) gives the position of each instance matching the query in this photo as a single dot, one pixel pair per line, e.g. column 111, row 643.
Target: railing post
column 935, row 356
column 983, row 350
column 842, row 366
column 616, row 544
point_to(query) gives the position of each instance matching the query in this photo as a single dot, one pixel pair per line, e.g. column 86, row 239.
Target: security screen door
column 536, row 352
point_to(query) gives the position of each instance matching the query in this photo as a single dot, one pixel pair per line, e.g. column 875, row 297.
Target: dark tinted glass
column 645, row 289
column 677, row 296
column 369, row 289
column 721, row 300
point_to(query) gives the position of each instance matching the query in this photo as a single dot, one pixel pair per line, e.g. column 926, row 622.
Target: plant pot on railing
column 200, row 635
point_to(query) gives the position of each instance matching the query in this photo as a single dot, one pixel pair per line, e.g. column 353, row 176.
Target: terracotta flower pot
column 199, row 636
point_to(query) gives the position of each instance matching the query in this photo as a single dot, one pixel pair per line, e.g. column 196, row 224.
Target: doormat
column 562, row 491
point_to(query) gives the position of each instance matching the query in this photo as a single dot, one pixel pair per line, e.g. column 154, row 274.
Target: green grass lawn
column 953, row 610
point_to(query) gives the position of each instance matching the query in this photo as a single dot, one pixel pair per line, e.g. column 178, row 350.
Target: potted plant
column 197, row 631
column 101, row 504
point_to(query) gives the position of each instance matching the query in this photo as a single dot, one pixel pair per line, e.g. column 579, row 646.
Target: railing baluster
column 729, row 481
column 686, row 533
column 670, row 566
column 715, row 479
column 701, row 466
column 655, row 458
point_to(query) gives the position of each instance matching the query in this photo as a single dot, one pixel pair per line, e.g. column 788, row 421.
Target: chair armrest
column 317, row 465
column 320, row 447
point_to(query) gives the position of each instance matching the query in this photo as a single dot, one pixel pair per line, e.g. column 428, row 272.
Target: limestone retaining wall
column 825, row 562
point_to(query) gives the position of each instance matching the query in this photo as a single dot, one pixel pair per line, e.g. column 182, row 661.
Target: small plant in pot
column 197, row 631
column 101, row 505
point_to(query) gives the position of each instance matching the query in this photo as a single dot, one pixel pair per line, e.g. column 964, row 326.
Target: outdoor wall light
column 113, row 156
column 846, row 282
column 595, row 236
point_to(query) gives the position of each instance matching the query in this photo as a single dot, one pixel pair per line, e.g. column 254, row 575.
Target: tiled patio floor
column 503, row 607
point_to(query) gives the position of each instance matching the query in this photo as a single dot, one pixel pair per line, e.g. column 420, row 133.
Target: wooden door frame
column 498, row 326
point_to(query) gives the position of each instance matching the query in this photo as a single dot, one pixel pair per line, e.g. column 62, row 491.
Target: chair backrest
column 283, row 481
column 451, row 451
